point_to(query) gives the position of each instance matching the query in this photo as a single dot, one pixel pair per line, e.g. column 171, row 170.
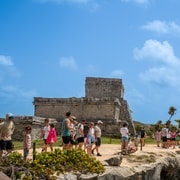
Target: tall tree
column 171, row 112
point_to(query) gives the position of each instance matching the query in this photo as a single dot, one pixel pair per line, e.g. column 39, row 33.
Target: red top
column 51, row 136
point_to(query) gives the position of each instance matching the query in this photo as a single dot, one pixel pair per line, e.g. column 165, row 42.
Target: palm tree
column 171, row 112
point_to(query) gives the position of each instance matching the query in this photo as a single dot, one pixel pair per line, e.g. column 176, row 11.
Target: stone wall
column 104, row 87
column 37, row 123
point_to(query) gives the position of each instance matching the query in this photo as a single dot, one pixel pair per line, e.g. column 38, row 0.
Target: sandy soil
column 110, row 150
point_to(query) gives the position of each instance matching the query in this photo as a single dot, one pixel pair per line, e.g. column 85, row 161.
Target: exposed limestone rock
column 167, row 168
column 114, row 161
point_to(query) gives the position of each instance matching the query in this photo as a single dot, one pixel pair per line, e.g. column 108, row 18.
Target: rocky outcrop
column 166, row 168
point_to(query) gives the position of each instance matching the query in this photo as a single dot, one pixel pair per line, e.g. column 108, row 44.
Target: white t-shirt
column 46, row 130
column 98, row 131
column 124, row 131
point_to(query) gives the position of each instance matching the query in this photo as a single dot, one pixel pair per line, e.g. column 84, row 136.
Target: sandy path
column 109, row 150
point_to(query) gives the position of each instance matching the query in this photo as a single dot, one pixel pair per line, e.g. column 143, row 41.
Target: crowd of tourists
column 165, row 138
column 82, row 135
column 74, row 134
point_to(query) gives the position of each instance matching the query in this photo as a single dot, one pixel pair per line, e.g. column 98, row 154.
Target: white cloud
column 7, row 68
column 156, row 50
column 117, row 73
column 68, row 62
column 6, row 61
column 162, row 27
column 166, row 71
column 137, row 1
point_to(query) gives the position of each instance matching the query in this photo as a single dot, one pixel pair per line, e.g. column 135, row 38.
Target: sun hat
column 100, row 122
column 9, row 115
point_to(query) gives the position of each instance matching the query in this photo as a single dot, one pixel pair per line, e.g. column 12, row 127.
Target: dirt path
column 109, row 150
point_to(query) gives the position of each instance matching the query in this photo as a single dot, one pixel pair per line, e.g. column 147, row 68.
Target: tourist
column 168, row 138
column 44, row 134
column 97, row 137
column 6, row 130
column 173, row 138
column 86, row 130
column 131, row 146
column 158, row 136
column 80, row 134
column 124, row 136
column 90, row 138
column 74, row 123
column 142, row 136
column 51, row 139
column 164, row 132
column 66, row 131
column 26, row 142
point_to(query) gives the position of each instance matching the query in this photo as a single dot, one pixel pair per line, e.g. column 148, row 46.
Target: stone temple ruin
column 103, row 100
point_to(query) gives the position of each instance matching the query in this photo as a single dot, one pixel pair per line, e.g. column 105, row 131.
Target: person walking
column 142, row 136
column 6, row 130
column 164, row 133
column 66, row 131
column 90, row 138
column 80, row 134
column 97, row 134
column 45, row 133
column 26, row 142
column 51, row 139
column 158, row 136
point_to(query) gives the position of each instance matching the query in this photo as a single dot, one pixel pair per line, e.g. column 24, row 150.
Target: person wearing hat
column 6, row 130
column 97, row 134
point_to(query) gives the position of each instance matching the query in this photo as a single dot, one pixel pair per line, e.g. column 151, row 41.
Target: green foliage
column 47, row 164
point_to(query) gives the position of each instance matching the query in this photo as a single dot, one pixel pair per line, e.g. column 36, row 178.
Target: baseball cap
column 10, row 115
column 100, row 122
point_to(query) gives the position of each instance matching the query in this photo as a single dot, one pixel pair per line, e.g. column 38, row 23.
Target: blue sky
column 49, row 47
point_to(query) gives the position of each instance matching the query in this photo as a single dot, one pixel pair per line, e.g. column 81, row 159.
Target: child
column 131, row 146
column 45, row 132
column 51, row 136
column 26, row 141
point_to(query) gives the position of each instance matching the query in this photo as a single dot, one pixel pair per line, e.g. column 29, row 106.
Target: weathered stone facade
column 37, row 123
column 103, row 100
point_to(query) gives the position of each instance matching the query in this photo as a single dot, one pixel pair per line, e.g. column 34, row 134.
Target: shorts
column 80, row 139
column 98, row 142
column 91, row 139
column 164, row 139
column 126, row 139
column 7, row 145
column 66, row 139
